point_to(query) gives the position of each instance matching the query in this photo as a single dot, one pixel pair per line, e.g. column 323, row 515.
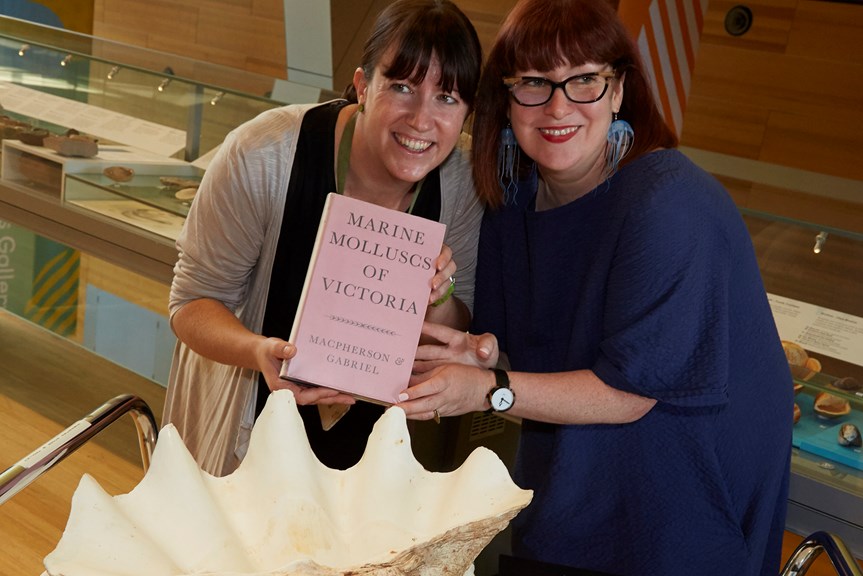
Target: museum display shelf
column 154, row 100
column 814, row 278
column 144, row 202
column 147, row 113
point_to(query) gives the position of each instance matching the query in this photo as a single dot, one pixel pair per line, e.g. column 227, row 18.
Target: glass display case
column 153, row 100
column 102, row 147
column 103, row 144
column 814, row 277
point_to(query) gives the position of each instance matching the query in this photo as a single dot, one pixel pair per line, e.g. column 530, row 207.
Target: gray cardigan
column 226, row 251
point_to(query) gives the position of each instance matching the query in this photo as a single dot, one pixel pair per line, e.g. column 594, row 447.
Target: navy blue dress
column 651, row 282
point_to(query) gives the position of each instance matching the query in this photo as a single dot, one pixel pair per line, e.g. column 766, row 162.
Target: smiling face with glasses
column 565, row 133
column 580, row 89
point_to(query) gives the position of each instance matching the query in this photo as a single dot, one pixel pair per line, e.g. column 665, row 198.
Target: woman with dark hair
column 619, row 281
column 245, row 247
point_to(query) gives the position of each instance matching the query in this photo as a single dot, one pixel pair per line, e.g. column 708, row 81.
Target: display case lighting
column 820, row 239
column 66, row 59
column 113, row 72
column 216, row 98
column 23, row 49
column 164, row 84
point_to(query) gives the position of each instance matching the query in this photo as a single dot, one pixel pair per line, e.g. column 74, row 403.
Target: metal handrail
column 812, row 546
column 26, row 470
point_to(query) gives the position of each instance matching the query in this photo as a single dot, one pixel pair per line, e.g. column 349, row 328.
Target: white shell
column 186, row 194
column 284, row 513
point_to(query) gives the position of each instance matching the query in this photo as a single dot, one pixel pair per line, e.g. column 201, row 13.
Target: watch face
column 501, row 399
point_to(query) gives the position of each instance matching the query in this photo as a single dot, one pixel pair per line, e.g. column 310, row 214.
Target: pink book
column 366, row 292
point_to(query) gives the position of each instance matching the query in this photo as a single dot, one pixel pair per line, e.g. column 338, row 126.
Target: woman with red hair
column 619, row 281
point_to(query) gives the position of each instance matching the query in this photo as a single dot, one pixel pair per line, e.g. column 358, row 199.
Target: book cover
column 365, row 296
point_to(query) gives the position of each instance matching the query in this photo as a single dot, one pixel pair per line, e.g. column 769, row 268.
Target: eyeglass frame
column 511, row 81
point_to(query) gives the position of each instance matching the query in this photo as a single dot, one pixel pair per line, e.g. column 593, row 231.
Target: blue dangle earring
column 507, row 160
column 620, row 139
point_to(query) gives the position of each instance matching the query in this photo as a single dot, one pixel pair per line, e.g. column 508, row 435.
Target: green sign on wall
column 38, row 279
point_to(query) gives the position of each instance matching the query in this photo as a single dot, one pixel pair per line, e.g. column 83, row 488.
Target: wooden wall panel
column 249, row 34
column 709, row 125
column 76, row 15
column 244, row 34
column 175, row 19
column 268, row 9
column 828, row 30
column 351, row 22
column 829, row 143
column 487, row 16
column 788, row 92
column 772, row 22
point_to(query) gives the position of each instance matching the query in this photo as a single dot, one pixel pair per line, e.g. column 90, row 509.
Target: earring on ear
column 620, row 138
column 507, row 159
column 361, row 108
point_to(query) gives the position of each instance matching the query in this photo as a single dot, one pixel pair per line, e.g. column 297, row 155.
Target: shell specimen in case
column 72, row 145
column 186, row 194
column 283, row 512
column 803, row 366
column 118, row 173
column 831, row 406
column 849, row 384
column 849, row 435
column 34, row 136
column 178, row 182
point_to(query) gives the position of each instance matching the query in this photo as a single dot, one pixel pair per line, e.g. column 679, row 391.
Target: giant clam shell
column 283, row 512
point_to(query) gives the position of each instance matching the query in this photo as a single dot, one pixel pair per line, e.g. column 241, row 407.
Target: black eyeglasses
column 581, row 88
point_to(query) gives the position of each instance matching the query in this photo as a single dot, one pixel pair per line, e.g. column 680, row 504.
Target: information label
column 94, row 120
column 820, row 330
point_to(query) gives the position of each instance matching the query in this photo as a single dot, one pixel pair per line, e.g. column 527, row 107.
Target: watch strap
column 501, row 380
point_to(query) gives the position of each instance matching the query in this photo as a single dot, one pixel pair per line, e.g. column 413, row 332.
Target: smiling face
column 406, row 129
column 565, row 139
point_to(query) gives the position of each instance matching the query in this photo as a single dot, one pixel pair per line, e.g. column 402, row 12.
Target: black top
column 312, row 178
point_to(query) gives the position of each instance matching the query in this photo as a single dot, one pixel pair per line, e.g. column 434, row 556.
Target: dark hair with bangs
column 542, row 35
column 420, row 29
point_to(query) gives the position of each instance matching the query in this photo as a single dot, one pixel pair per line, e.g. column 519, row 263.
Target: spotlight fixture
column 66, row 59
column 820, row 239
column 23, row 49
column 738, row 20
column 216, row 98
column 113, row 72
column 164, row 84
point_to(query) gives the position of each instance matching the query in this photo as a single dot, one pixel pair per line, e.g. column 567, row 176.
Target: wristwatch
column 501, row 397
